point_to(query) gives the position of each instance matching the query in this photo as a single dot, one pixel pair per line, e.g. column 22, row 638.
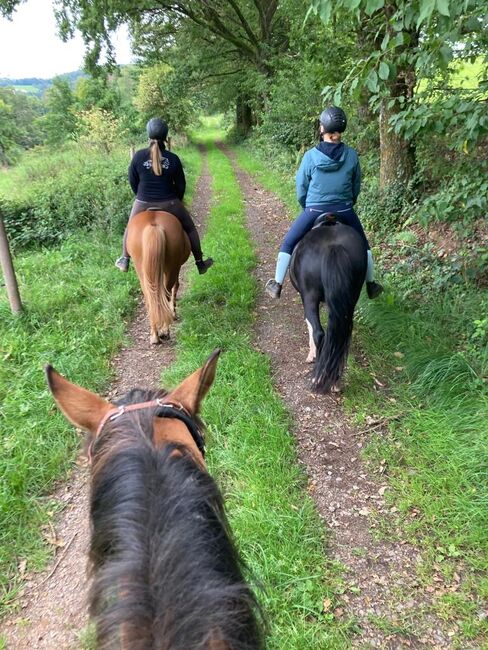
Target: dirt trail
column 380, row 574
column 52, row 610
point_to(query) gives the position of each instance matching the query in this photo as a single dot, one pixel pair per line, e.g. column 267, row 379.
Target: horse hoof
column 337, row 388
column 163, row 336
column 154, row 340
column 310, row 359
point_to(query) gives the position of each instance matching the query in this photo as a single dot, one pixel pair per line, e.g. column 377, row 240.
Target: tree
column 239, row 34
column 405, row 41
column 158, row 94
column 59, row 123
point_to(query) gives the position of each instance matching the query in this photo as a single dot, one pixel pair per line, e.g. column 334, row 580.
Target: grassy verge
column 431, row 361
column 77, row 306
column 251, row 450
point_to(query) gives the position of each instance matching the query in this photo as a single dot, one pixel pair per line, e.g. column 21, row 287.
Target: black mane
column 166, row 574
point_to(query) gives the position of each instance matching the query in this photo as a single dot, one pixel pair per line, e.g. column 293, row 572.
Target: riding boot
column 273, row 289
column 196, row 249
column 373, row 288
column 123, row 262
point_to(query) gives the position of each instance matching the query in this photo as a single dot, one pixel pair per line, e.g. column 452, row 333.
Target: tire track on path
column 383, row 593
column 51, row 609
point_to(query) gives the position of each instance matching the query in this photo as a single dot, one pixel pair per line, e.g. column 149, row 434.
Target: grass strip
column 436, row 454
column 251, row 450
column 77, row 306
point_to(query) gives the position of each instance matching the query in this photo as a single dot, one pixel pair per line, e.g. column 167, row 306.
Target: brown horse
column 159, row 247
column 165, row 571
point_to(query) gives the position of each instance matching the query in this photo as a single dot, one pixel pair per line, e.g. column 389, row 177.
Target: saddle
column 325, row 219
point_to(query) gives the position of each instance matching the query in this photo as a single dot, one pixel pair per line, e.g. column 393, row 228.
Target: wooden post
column 8, row 271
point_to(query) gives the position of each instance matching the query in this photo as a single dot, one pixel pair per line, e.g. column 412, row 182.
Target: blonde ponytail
column 156, row 158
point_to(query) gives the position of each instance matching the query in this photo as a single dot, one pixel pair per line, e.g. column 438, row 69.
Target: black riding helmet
column 157, row 129
column 333, row 119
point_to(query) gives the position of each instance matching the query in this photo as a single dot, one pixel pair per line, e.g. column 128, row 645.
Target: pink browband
column 116, row 412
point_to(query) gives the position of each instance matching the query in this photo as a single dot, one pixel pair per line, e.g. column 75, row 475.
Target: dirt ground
column 51, row 611
column 380, row 575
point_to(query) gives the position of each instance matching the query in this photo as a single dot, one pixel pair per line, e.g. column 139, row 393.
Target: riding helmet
column 333, row 119
column 157, row 129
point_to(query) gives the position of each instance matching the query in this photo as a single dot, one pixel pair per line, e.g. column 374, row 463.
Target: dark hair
column 163, row 558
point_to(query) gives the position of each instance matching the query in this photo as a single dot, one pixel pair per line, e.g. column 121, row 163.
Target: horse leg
column 311, row 306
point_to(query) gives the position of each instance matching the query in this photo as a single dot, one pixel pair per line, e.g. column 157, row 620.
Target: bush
column 54, row 194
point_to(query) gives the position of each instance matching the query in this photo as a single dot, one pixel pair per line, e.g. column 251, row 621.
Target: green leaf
column 426, row 9
column 373, row 5
column 325, row 10
column 385, row 41
column 372, row 81
column 383, row 71
column 443, row 7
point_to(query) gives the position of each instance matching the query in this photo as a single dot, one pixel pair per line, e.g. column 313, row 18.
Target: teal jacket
column 321, row 179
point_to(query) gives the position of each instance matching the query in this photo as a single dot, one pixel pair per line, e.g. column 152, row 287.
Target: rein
column 173, row 410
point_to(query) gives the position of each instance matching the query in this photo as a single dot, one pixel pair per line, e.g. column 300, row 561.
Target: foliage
column 100, row 129
column 158, row 95
column 59, row 123
column 60, row 192
column 18, row 113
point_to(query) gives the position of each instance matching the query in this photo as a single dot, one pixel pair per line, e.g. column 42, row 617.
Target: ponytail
column 156, row 158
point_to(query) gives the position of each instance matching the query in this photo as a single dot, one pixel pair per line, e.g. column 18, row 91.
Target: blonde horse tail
column 155, row 292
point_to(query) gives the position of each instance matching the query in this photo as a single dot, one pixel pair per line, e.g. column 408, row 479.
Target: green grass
column 251, row 451
column 432, row 356
column 76, row 308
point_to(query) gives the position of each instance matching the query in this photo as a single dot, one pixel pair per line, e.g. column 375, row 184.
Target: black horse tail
column 337, row 279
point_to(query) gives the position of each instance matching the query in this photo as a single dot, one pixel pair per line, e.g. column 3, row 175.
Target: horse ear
column 193, row 389
column 81, row 407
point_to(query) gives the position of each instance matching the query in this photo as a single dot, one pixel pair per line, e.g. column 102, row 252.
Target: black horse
column 329, row 265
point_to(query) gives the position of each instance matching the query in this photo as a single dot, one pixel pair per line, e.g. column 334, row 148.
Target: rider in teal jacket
column 328, row 181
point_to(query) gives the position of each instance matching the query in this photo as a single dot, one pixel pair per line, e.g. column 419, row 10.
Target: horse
column 159, row 247
column 165, row 572
column 329, row 265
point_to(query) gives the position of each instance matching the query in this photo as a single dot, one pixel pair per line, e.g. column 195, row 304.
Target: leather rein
column 173, row 410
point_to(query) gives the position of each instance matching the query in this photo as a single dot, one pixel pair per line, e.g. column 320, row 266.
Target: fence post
column 8, row 271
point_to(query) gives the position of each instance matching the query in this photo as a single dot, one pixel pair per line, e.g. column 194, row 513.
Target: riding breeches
column 304, row 222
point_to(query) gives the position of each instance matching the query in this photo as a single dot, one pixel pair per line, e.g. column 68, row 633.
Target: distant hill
column 37, row 86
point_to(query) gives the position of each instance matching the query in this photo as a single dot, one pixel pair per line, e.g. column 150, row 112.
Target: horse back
column 177, row 242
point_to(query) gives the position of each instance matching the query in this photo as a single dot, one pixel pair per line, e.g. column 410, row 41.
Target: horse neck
column 165, row 571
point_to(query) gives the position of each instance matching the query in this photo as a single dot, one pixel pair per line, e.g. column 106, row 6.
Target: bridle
column 173, row 410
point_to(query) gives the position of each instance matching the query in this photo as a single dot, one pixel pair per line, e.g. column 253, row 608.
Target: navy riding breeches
column 304, row 222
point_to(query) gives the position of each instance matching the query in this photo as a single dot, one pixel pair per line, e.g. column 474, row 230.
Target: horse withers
column 329, row 266
column 164, row 568
column 159, row 247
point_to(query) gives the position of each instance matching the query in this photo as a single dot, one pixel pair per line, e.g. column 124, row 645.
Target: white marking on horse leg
column 313, row 350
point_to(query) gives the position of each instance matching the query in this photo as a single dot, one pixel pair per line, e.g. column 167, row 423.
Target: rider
column 328, row 180
column 158, row 181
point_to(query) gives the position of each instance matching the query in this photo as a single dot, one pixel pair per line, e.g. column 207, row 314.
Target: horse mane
column 166, row 574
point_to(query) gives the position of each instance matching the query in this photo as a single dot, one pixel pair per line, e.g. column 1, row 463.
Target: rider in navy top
column 328, row 180
column 158, row 181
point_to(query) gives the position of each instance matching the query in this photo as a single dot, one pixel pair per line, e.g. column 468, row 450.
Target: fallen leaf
column 398, row 355
column 327, row 604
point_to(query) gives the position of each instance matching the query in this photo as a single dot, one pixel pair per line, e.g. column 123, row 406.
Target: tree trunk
column 244, row 117
column 397, row 155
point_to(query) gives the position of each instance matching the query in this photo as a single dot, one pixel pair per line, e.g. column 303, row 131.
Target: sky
column 30, row 45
